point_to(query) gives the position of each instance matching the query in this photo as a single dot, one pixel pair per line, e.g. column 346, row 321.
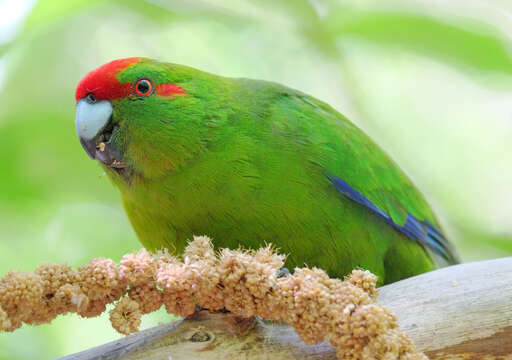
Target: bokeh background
column 429, row 80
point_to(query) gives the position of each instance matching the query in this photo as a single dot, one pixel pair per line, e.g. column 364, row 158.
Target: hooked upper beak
column 94, row 129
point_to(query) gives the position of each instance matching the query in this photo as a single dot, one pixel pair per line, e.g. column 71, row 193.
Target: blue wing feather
column 421, row 231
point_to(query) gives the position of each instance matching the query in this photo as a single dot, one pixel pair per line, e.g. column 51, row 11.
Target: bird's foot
column 222, row 311
column 283, row 272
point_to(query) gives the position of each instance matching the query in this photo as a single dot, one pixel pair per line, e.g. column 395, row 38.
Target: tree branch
column 462, row 309
column 459, row 312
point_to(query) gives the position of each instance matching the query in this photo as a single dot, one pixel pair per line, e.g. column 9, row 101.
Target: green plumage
column 247, row 162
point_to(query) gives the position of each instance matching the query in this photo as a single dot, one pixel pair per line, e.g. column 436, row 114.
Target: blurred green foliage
column 430, row 87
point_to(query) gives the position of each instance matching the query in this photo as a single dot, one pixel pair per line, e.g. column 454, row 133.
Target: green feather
column 244, row 162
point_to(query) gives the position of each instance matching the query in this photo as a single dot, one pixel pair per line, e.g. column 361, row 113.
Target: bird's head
column 141, row 116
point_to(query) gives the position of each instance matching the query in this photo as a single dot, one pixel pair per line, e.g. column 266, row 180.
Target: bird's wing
column 360, row 170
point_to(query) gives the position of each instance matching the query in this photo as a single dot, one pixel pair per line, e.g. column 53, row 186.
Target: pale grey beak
column 92, row 117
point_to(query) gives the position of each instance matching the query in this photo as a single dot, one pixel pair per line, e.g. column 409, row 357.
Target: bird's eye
column 143, row 87
column 90, row 98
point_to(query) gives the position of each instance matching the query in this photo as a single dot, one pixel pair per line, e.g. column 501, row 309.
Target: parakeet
column 251, row 162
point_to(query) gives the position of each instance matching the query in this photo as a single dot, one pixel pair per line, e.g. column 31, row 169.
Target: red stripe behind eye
column 169, row 90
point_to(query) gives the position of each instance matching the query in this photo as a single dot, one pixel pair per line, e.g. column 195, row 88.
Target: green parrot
column 250, row 162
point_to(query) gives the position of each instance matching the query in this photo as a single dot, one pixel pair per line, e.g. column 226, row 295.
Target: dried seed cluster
column 345, row 313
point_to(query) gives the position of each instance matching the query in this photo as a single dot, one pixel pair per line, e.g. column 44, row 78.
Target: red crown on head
column 103, row 83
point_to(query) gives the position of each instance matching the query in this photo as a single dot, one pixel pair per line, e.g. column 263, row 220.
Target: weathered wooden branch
column 459, row 312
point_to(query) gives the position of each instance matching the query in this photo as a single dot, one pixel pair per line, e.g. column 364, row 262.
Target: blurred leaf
column 476, row 236
column 149, row 10
column 472, row 45
column 233, row 14
column 301, row 10
column 482, row 47
column 49, row 12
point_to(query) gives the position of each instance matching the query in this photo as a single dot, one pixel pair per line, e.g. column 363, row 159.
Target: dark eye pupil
column 143, row 87
column 90, row 98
